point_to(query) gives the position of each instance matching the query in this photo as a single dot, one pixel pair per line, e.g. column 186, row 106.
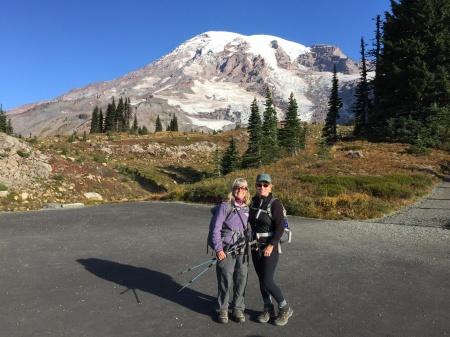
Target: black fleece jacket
column 277, row 223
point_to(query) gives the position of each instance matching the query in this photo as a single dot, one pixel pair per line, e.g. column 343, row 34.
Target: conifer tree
column 110, row 119
column 375, row 55
column 143, row 130
column 9, row 127
column 329, row 132
column 174, row 123
column 158, row 125
column 128, row 112
column 414, row 68
column 120, row 116
column 252, row 156
column 230, row 160
column 269, row 143
column 291, row 134
column 363, row 105
column 3, row 122
column 95, row 122
column 135, row 127
column 101, row 121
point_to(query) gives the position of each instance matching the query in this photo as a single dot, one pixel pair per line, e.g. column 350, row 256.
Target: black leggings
column 265, row 269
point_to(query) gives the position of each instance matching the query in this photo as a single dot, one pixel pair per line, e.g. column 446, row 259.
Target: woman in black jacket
column 268, row 227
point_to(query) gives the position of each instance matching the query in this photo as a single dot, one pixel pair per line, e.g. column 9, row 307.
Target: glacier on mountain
column 209, row 82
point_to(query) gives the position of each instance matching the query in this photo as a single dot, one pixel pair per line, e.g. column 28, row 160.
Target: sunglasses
column 240, row 188
column 261, row 185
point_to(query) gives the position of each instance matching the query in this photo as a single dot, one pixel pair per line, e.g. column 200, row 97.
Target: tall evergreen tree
column 230, row 160
column 110, row 119
column 252, row 156
column 329, row 132
column 414, row 68
column 375, row 53
column 270, row 148
column 101, row 121
column 120, row 116
column 95, row 122
column 291, row 134
column 2, row 119
column 135, row 127
column 174, row 123
column 363, row 105
column 5, row 123
column 9, row 127
column 128, row 113
column 158, row 125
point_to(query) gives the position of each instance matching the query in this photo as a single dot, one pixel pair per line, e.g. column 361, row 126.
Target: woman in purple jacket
column 230, row 226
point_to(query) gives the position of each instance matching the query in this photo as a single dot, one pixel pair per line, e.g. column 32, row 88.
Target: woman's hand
column 221, row 255
column 268, row 249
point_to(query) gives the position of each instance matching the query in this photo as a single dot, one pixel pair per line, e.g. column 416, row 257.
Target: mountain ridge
column 209, row 82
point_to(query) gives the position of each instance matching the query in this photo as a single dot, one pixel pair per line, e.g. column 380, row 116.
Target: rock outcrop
column 20, row 164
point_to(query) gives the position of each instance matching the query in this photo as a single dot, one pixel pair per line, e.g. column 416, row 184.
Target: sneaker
column 283, row 315
column 239, row 315
column 267, row 314
column 223, row 317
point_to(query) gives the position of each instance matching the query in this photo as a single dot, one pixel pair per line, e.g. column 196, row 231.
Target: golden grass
column 334, row 187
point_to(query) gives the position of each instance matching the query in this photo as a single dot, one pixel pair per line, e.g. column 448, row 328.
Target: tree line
column 5, row 123
column 268, row 142
column 118, row 119
column 408, row 97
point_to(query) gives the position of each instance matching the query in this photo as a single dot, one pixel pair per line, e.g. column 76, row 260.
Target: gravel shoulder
column 430, row 211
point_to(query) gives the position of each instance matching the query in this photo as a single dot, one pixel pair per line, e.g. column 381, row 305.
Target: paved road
column 113, row 270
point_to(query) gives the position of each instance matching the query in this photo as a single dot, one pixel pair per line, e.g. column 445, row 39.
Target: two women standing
column 230, row 230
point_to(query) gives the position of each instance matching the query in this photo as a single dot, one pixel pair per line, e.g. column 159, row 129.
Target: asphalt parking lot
column 113, row 270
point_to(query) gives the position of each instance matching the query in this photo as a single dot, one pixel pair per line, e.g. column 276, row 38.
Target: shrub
column 344, row 181
column 22, row 153
column 331, row 190
column 415, row 180
column 310, row 178
column 389, row 190
column 98, row 158
column 3, row 187
column 58, row 177
column 64, row 151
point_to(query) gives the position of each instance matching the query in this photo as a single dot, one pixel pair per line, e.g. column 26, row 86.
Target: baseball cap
column 263, row 177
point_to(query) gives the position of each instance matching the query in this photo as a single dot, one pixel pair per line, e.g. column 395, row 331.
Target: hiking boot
column 223, row 317
column 239, row 315
column 267, row 314
column 283, row 315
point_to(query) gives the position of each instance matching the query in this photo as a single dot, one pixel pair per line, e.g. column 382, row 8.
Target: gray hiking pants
column 232, row 270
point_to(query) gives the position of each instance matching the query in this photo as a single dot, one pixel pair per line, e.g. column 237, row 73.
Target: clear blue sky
column 49, row 47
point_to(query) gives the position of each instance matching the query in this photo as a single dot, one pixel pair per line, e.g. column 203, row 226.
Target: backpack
column 230, row 208
column 287, row 234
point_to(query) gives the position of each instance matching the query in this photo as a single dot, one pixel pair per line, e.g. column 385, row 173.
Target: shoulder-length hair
column 239, row 182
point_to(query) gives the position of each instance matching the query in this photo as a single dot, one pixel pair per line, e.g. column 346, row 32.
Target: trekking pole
column 233, row 248
column 198, row 265
column 212, row 264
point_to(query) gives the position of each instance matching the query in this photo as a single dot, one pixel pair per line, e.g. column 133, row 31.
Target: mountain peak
column 209, row 82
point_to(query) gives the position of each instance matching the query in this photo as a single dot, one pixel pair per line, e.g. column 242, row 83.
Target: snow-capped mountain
column 209, row 82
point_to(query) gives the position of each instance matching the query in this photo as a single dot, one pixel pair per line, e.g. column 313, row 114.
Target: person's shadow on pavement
column 154, row 282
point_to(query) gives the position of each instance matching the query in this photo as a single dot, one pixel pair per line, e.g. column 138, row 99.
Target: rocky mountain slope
column 209, row 82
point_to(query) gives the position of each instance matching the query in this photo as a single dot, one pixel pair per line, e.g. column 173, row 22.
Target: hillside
column 180, row 166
